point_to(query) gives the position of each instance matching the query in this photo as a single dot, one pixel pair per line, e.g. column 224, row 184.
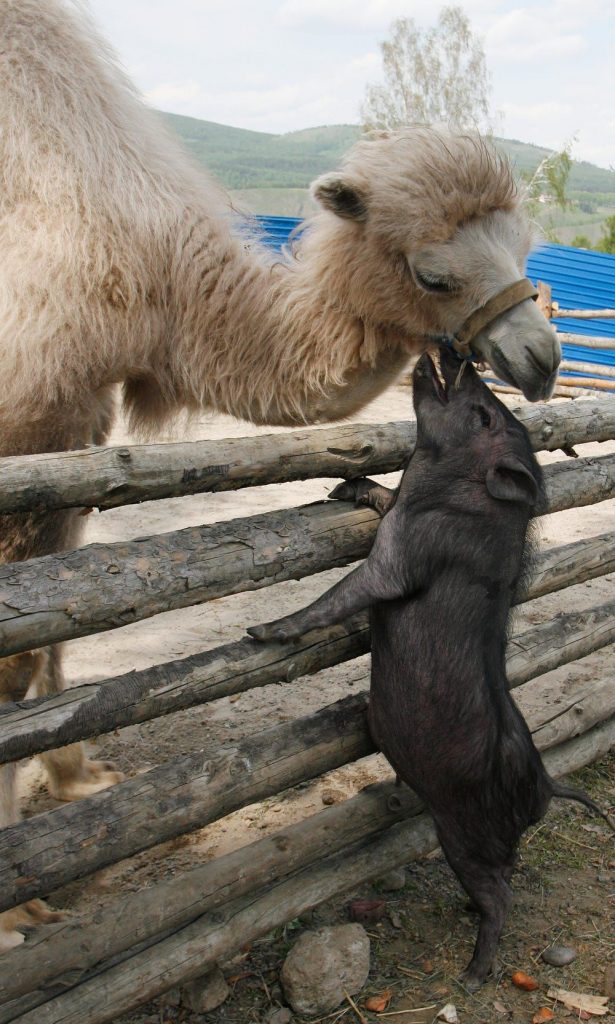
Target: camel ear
column 509, row 480
column 340, row 196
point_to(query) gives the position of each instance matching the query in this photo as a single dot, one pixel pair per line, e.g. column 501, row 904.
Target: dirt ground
column 565, row 885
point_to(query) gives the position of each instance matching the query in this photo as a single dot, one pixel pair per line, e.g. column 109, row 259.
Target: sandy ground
column 181, row 633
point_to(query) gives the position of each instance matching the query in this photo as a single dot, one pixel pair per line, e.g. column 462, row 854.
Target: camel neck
column 268, row 342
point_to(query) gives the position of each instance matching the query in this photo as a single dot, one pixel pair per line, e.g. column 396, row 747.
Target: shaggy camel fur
column 120, row 264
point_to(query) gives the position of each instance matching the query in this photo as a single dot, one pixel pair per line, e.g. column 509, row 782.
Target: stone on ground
column 205, row 993
column 323, row 965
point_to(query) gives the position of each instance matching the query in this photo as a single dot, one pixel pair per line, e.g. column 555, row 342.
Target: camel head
column 422, row 227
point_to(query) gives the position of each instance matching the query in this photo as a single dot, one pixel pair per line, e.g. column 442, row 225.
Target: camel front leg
column 71, row 774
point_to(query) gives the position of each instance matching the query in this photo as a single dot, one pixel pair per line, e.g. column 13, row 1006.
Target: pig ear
column 341, row 196
column 509, row 480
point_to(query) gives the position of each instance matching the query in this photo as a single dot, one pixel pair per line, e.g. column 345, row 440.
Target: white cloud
column 357, row 16
column 174, row 95
column 281, row 65
column 310, row 101
column 537, row 34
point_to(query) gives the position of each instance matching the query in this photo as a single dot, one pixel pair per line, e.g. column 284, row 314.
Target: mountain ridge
column 247, row 159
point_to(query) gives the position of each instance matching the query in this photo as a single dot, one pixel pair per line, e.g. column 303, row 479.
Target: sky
column 281, row 65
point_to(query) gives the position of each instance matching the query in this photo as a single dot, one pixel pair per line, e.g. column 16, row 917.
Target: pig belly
column 452, row 735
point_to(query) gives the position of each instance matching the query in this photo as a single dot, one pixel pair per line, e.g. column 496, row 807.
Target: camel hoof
column 93, row 777
column 10, row 939
column 13, row 923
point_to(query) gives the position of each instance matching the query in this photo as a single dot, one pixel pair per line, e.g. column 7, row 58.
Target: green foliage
column 431, row 75
column 245, row 159
column 581, row 242
column 607, row 242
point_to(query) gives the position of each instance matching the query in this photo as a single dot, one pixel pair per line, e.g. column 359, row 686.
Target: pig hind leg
column 488, row 887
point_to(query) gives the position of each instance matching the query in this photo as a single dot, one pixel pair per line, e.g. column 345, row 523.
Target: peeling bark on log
column 50, row 849
column 107, row 477
column 216, row 936
column 563, row 639
column 190, row 792
column 103, row 586
column 33, row 726
column 51, row 956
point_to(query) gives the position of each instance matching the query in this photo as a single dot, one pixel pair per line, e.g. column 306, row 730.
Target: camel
column 123, row 263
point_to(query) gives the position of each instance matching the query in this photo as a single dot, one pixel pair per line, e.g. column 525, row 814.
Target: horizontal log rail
column 210, row 937
column 33, row 726
column 192, row 791
column 50, row 849
column 104, row 586
column 136, row 918
column 583, row 314
column 594, row 369
column 605, row 384
column 108, row 477
column 586, row 340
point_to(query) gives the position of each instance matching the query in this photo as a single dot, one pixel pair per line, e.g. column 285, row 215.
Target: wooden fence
column 143, row 943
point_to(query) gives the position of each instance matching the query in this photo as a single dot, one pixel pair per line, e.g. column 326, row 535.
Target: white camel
column 120, row 264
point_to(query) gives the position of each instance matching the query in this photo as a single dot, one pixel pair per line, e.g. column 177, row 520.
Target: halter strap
column 484, row 315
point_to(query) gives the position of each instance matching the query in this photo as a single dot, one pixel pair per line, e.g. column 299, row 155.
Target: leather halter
column 510, row 296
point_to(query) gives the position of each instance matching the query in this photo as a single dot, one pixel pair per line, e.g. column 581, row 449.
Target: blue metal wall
column 578, row 279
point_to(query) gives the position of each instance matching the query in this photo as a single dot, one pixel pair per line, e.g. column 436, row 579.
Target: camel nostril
column 545, row 362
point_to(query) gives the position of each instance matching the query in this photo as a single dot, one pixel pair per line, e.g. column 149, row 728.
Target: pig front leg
column 363, row 491
column 357, row 591
column 381, row 577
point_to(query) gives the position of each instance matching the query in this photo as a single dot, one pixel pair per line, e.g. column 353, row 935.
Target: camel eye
column 430, row 283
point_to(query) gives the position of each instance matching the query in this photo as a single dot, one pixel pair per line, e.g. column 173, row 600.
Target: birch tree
column 435, row 75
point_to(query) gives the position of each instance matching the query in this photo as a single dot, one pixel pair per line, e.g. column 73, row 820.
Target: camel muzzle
column 484, row 315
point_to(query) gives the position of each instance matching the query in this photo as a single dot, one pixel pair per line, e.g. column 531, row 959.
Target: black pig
column 447, row 560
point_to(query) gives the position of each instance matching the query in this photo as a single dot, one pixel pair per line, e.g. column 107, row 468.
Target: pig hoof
column 271, row 632
column 470, row 981
column 261, row 633
column 346, row 491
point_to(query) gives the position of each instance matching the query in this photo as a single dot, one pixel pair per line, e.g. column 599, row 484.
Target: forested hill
column 243, row 159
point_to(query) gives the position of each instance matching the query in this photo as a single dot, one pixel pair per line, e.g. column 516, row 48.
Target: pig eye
column 485, row 418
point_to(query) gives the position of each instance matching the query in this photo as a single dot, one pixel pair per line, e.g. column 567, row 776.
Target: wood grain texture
column 107, row 477
column 103, row 586
column 215, row 935
column 82, row 712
